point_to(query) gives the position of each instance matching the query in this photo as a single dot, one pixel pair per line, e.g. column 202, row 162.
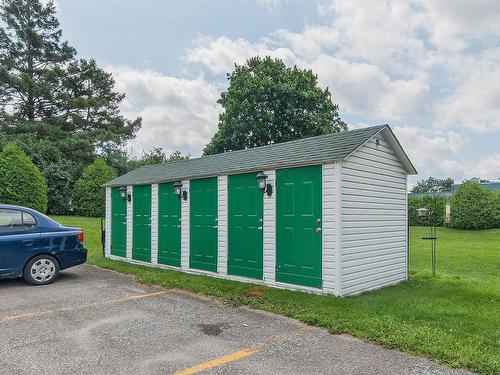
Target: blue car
column 35, row 247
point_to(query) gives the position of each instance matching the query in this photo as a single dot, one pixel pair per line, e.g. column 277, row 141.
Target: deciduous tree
column 267, row 102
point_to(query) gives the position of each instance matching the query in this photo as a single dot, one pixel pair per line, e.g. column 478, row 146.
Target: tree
column 88, row 194
column 32, row 58
column 156, row 156
column 473, row 207
column 21, row 182
column 61, row 110
column 267, row 102
column 436, row 204
column 433, row 185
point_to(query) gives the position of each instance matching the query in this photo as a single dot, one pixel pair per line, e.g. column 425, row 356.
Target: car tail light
column 80, row 236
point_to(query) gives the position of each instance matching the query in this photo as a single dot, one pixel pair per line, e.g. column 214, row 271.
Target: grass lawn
column 453, row 318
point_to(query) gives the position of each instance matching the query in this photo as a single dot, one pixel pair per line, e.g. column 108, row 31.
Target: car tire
column 41, row 270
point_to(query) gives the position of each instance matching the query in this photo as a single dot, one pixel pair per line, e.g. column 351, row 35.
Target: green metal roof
column 319, row 149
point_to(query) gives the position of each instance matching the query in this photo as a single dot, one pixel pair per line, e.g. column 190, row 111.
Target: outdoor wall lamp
column 179, row 192
column 124, row 195
column 264, row 187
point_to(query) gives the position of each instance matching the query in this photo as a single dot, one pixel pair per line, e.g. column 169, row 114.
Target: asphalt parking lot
column 93, row 321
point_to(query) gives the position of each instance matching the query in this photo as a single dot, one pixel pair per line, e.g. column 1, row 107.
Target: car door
column 19, row 240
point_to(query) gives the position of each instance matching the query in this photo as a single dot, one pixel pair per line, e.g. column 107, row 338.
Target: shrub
column 88, row 194
column 21, row 182
column 436, row 204
column 497, row 209
column 473, row 207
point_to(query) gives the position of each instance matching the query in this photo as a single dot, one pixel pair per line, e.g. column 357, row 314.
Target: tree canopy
column 88, row 194
column 267, row 102
column 433, row 185
column 62, row 110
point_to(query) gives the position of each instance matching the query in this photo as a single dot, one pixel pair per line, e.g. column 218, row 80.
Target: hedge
column 436, row 204
column 474, row 208
column 21, row 182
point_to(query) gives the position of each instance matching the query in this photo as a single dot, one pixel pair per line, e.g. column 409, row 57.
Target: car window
column 10, row 221
column 29, row 221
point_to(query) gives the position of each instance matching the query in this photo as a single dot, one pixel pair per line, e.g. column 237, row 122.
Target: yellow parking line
column 232, row 357
column 217, row 362
column 29, row 314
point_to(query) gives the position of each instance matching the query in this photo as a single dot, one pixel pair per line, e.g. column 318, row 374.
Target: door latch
column 318, row 230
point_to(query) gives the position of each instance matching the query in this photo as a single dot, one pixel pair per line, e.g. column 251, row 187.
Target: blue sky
column 430, row 69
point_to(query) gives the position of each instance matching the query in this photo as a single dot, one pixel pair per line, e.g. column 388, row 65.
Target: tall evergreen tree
column 32, row 59
column 62, row 110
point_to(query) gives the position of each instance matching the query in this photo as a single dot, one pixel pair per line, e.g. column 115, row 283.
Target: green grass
column 453, row 318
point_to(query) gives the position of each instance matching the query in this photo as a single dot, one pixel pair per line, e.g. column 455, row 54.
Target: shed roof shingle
column 323, row 148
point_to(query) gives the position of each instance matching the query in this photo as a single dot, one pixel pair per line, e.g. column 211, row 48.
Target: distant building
column 487, row 185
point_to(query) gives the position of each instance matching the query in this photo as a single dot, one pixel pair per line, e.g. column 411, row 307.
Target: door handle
column 216, row 226
column 178, row 226
column 259, row 228
column 28, row 242
column 318, row 230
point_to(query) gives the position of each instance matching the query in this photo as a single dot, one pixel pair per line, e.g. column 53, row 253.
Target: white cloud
column 475, row 102
column 485, row 168
column 384, row 33
column 220, row 54
column 453, row 24
column 365, row 89
column 488, row 167
column 433, row 152
column 178, row 114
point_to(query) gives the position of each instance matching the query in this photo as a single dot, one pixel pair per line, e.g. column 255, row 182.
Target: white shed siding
column 185, row 228
column 154, row 223
column 222, row 225
column 107, row 239
column 373, row 210
column 130, row 218
column 328, row 226
column 270, row 230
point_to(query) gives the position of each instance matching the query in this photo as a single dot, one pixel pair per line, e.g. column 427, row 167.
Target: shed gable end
column 373, row 226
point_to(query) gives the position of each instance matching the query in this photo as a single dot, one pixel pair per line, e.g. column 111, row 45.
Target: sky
column 430, row 69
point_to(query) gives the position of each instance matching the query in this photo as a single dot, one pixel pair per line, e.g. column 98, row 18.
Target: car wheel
column 41, row 270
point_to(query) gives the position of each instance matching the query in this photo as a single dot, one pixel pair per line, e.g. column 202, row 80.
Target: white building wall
column 374, row 215
column 130, row 218
column 270, row 230
column 107, row 239
column 328, row 225
column 154, row 224
column 185, row 227
column 222, row 225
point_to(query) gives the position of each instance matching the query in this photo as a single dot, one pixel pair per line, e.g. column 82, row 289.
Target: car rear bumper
column 75, row 258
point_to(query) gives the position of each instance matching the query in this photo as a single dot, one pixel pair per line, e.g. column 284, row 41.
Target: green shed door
column 203, row 224
column 118, row 224
column 298, row 217
column 141, row 237
column 169, row 226
column 245, row 214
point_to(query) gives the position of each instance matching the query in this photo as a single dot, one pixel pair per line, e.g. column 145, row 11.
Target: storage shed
column 325, row 214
